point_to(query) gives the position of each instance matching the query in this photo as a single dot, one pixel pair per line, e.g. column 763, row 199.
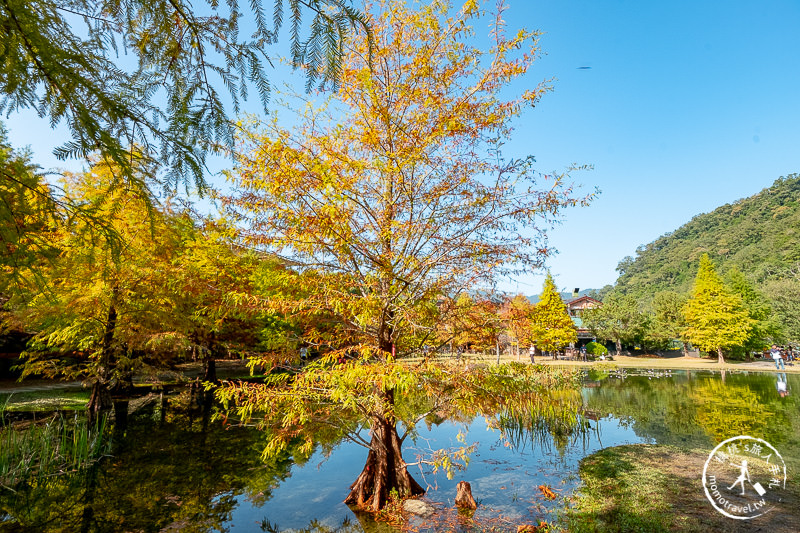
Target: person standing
column 532, row 352
column 777, row 357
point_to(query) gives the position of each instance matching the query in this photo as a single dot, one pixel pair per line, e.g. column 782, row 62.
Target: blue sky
column 687, row 106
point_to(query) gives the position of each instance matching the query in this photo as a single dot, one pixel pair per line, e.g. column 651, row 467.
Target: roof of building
column 581, row 299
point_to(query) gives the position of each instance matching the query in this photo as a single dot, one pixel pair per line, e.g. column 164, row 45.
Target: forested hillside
column 760, row 235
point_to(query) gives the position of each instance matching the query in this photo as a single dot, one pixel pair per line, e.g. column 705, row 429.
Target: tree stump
column 464, row 498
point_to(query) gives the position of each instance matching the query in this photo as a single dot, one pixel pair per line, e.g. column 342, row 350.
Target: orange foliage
column 395, row 192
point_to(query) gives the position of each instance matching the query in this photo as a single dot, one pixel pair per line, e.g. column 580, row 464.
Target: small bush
column 596, row 349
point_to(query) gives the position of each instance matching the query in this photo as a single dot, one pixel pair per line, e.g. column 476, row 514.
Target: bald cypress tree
column 552, row 327
column 716, row 317
column 189, row 65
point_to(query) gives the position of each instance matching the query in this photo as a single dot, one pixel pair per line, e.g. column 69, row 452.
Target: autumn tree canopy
column 517, row 315
column 552, row 327
column 157, row 285
column 99, row 287
column 392, row 196
column 398, row 188
column 716, row 318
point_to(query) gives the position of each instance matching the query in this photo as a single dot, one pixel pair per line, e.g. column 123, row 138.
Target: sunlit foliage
column 552, row 327
column 620, row 319
column 715, row 317
column 388, row 201
column 149, row 72
column 398, row 189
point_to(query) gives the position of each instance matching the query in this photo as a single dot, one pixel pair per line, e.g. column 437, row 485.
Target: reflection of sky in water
column 692, row 410
column 638, row 407
column 503, row 480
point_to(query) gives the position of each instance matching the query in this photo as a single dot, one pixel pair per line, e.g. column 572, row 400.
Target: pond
column 170, row 470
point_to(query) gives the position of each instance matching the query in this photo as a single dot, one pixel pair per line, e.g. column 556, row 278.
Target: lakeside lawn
column 654, row 488
column 672, row 362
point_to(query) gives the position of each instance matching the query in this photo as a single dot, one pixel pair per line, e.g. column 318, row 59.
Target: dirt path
column 36, row 385
column 670, row 362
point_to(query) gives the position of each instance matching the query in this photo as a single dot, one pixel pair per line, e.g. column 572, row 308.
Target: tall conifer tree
column 716, row 317
column 765, row 325
column 552, row 326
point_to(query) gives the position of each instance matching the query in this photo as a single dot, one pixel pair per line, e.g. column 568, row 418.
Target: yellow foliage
column 396, row 187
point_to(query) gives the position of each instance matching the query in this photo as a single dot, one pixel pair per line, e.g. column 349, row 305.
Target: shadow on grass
column 652, row 488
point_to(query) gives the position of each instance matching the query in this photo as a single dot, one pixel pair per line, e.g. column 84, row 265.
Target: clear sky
column 688, row 105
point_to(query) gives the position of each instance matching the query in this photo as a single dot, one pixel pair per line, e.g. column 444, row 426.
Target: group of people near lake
column 580, row 353
column 778, row 355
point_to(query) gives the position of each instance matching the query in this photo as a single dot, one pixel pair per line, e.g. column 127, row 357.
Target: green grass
column 625, row 490
column 45, row 400
column 59, row 446
column 654, row 488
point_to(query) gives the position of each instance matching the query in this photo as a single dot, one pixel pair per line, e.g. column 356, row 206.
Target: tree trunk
column 385, row 470
column 685, row 350
column 210, row 355
column 99, row 402
column 88, row 521
column 497, row 349
column 386, row 333
column 618, row 345
column 210, row 369
column 100, row 399
column 195, row 396
column 720, row 359
column 464, row 499
column 163, row 409
column 120, row 417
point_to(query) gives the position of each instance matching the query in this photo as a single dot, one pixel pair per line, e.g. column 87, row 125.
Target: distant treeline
column 758, row 236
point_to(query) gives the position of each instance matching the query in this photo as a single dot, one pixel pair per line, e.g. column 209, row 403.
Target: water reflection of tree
column 524, row 419
column 697, row 410
column 171, row 468
column 538, row 420
column 652, row 407
column 179, row 473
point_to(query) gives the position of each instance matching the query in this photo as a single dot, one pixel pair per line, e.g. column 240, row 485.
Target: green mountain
column 566, row 296
column 760, row 235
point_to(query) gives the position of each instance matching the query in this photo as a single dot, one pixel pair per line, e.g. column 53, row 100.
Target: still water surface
column 172, row 472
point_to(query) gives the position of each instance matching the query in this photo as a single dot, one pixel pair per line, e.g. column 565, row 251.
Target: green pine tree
column 551, row 324
column 716, row 317
column 765, row 326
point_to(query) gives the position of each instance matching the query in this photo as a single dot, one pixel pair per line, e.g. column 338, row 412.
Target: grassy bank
column 651, row 361
column 653, row 488
column 44, row 400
